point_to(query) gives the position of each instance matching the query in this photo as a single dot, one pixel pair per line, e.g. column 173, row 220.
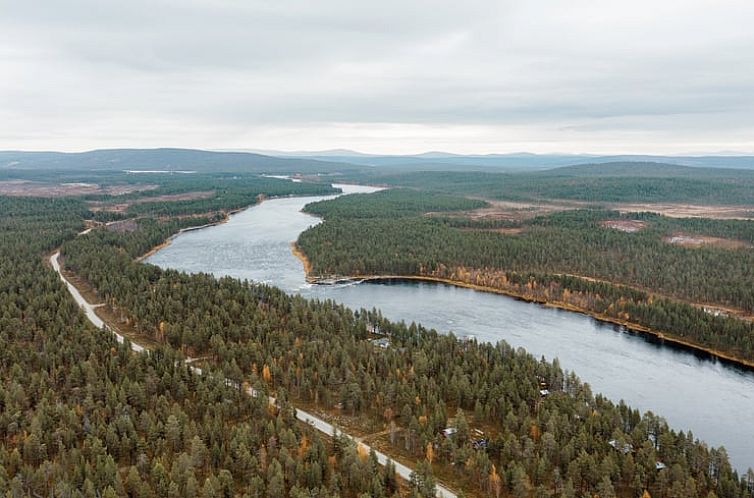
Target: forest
column 393, row 203
column 318, row 353
column 612, row 182
column 641, row 278
column 84, row 416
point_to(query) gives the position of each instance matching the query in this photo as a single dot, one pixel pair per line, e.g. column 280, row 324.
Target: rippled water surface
column 693, row 391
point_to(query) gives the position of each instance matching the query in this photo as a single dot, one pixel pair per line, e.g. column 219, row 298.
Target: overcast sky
column 604, row 76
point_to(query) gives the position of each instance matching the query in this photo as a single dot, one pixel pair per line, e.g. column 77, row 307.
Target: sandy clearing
column 26, row 188
column 695, row 240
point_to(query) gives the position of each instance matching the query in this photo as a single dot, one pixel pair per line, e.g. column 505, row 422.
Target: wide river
column 693, row 391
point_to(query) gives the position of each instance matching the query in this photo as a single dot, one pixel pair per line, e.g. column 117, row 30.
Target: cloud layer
column 390, row 76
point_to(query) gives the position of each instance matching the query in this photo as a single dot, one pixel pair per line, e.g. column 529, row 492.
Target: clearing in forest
column 688, row 240
column 628, row 226
column 26, row 188
column 120, row 207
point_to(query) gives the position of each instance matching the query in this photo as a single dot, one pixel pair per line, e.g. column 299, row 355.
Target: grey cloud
column 80, row 74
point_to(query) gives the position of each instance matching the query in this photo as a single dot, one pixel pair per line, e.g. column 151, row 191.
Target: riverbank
column 296, row 251
column 165, row 243
column 633, row 326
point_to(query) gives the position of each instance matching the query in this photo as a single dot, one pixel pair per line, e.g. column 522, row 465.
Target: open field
column 696, row 240
column 628, row 226
column 119, row 207
column 28, row 188
column 688, row 210
column 519, row 211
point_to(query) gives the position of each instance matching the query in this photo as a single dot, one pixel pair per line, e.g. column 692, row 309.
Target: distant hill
column 523, row 161
column 165, row 159
column 346, row 161
column 646, row 170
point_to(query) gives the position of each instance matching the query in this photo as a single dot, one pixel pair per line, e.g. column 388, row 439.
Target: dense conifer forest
column 319, row 353
column 542, row 259
column 81, row 415
column 85, row 416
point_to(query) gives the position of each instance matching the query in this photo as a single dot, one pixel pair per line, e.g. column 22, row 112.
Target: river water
column 712, row 398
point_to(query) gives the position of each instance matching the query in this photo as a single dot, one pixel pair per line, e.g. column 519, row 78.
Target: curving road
column 314, row 421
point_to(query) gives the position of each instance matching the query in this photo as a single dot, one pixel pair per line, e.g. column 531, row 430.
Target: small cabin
column 382, row 342
column 480, row 444
column 449, row 431
column 624, row 448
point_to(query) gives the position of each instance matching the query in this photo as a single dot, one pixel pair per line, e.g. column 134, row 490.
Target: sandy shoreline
column 165, row 243
column 296, row 250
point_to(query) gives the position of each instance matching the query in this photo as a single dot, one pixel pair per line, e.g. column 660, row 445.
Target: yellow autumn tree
column 361, row 450
column 495, row 482
column 266, row 375
column 430, row 452
column 534, row 432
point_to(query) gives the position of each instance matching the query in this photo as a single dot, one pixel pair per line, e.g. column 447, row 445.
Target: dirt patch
column 183, row 196
column 690, row 210
column 687, row 240
column 503, row 230
column 95, row 206
column 124, row 226
column 120, row 207
column 628, row 226
column 26, row 188
column 128, row 189
column 507, row 210
column 523, row 210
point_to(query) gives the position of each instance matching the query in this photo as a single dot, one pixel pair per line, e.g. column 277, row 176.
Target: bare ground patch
column 502, row 230
column 183, row 196
column 688, row 240
column 628, row 226
column 119, row 207
column 690, row 210
column 506, row 211
column 128, row 189
column 26, row 188
column 123, row 226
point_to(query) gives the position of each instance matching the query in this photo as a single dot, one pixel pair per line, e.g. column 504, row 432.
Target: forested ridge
column 539, row 262
column 393, row 203
column 319, row 353
column 611, row 182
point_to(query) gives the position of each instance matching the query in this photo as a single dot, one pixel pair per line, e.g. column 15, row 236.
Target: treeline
column 393, row 203
column 82, row 416
column 228, row 192
column 565, row 243
column 616, row 182
column 319, row 353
